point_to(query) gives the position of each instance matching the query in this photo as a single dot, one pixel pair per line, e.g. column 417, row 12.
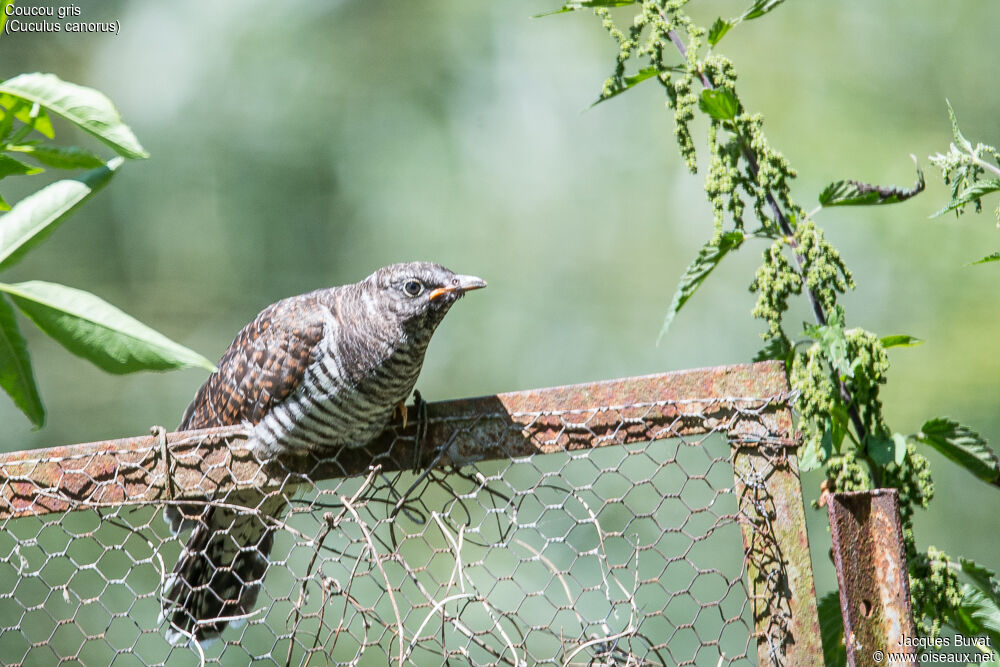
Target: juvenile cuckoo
column 310, row 373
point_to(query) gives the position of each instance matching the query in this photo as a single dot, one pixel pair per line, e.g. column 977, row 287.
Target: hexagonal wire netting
column 599, row 524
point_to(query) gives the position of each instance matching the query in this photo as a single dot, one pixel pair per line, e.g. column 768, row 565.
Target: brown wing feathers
column 262, row 367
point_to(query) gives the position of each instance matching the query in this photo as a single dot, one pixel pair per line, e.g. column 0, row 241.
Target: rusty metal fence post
column 872, row 575
column 572, row 529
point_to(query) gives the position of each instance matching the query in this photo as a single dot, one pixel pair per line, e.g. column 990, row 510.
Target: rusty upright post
column 872, row 575
column 779, row 566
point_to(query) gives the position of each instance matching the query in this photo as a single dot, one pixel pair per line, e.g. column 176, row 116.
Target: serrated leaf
column 995, row 257
column 975, row 191
column 900, row 340
column 718, row 30
column 963, row 446
column 584, row 4
column 978, row 612
column 708, row 258
column 778, row 349
column 855, row 193
column 847, row 193
column 11, row 167
column 832, row 342
column 831, row 630
column 982, row 577
column 16, row 375
column 61, row 157
column 85, row 107
column 35, row 217
column 759, row 8
column 630, row 82
column 91, row 328
column 719, row 103
column 956, row 133
column 28, row 113
column 983, row 611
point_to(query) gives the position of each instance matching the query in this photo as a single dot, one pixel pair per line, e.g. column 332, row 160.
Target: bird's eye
column 413, row 287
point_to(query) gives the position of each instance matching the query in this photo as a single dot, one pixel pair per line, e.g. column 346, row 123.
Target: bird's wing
column 262, row 367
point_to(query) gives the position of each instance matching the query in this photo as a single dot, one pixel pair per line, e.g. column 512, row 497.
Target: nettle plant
column 837, row 370
column 81, row 322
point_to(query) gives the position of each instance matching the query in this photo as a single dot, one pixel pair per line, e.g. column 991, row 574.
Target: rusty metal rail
column 517, row 424
column 748, row 403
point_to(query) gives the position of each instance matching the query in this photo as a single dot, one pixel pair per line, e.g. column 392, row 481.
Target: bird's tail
column 219, row 572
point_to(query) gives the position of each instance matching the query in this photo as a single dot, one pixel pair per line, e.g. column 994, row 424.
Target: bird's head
column 420, row 293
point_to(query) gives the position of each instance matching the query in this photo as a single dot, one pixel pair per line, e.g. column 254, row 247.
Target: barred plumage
column 315, row 371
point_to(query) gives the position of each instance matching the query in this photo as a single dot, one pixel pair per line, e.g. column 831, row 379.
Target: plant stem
column 983, row 163
column 786, row 229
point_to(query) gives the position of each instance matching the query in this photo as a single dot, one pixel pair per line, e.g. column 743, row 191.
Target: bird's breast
column 347, row 396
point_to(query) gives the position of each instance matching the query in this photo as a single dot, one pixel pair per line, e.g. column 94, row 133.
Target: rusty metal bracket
column 872, row 574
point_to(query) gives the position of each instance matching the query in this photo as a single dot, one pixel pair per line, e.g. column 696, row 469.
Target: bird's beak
column 460, row 284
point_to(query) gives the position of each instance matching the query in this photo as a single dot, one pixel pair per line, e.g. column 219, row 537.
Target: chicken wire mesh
column 650, row 521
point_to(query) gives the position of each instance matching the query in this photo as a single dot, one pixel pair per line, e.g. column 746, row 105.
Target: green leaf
column 982, row 612
column 900, row 340
column 963, row 446
column 630, row 82
column 839, row 423
column 85, row 107
column 826, row 444
column 718, row 30
column 832, row 342
column 809, row 458
column 35, row 217
column 975, row 191
column 16, row 375
column 855, row 193
column 886, row 450
column 759, row 8
column 93, row 329
column 61, row 157
column 778, row 349
column 3, row 14
column 4, row 206
column 708, row 258
column 7, row 121
column 899, row 454
column 995, row 257
column 979, row 610
column 982, row 578
column 831, row 630
column 720, row 104
column 29, row 113
column 956, row 133
column 11, row 167
column 584, row 4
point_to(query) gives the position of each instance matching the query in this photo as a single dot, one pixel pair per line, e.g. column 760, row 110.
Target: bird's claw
column 401, row 409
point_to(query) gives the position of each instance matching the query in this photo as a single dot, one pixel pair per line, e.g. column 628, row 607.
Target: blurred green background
column 300, row 144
